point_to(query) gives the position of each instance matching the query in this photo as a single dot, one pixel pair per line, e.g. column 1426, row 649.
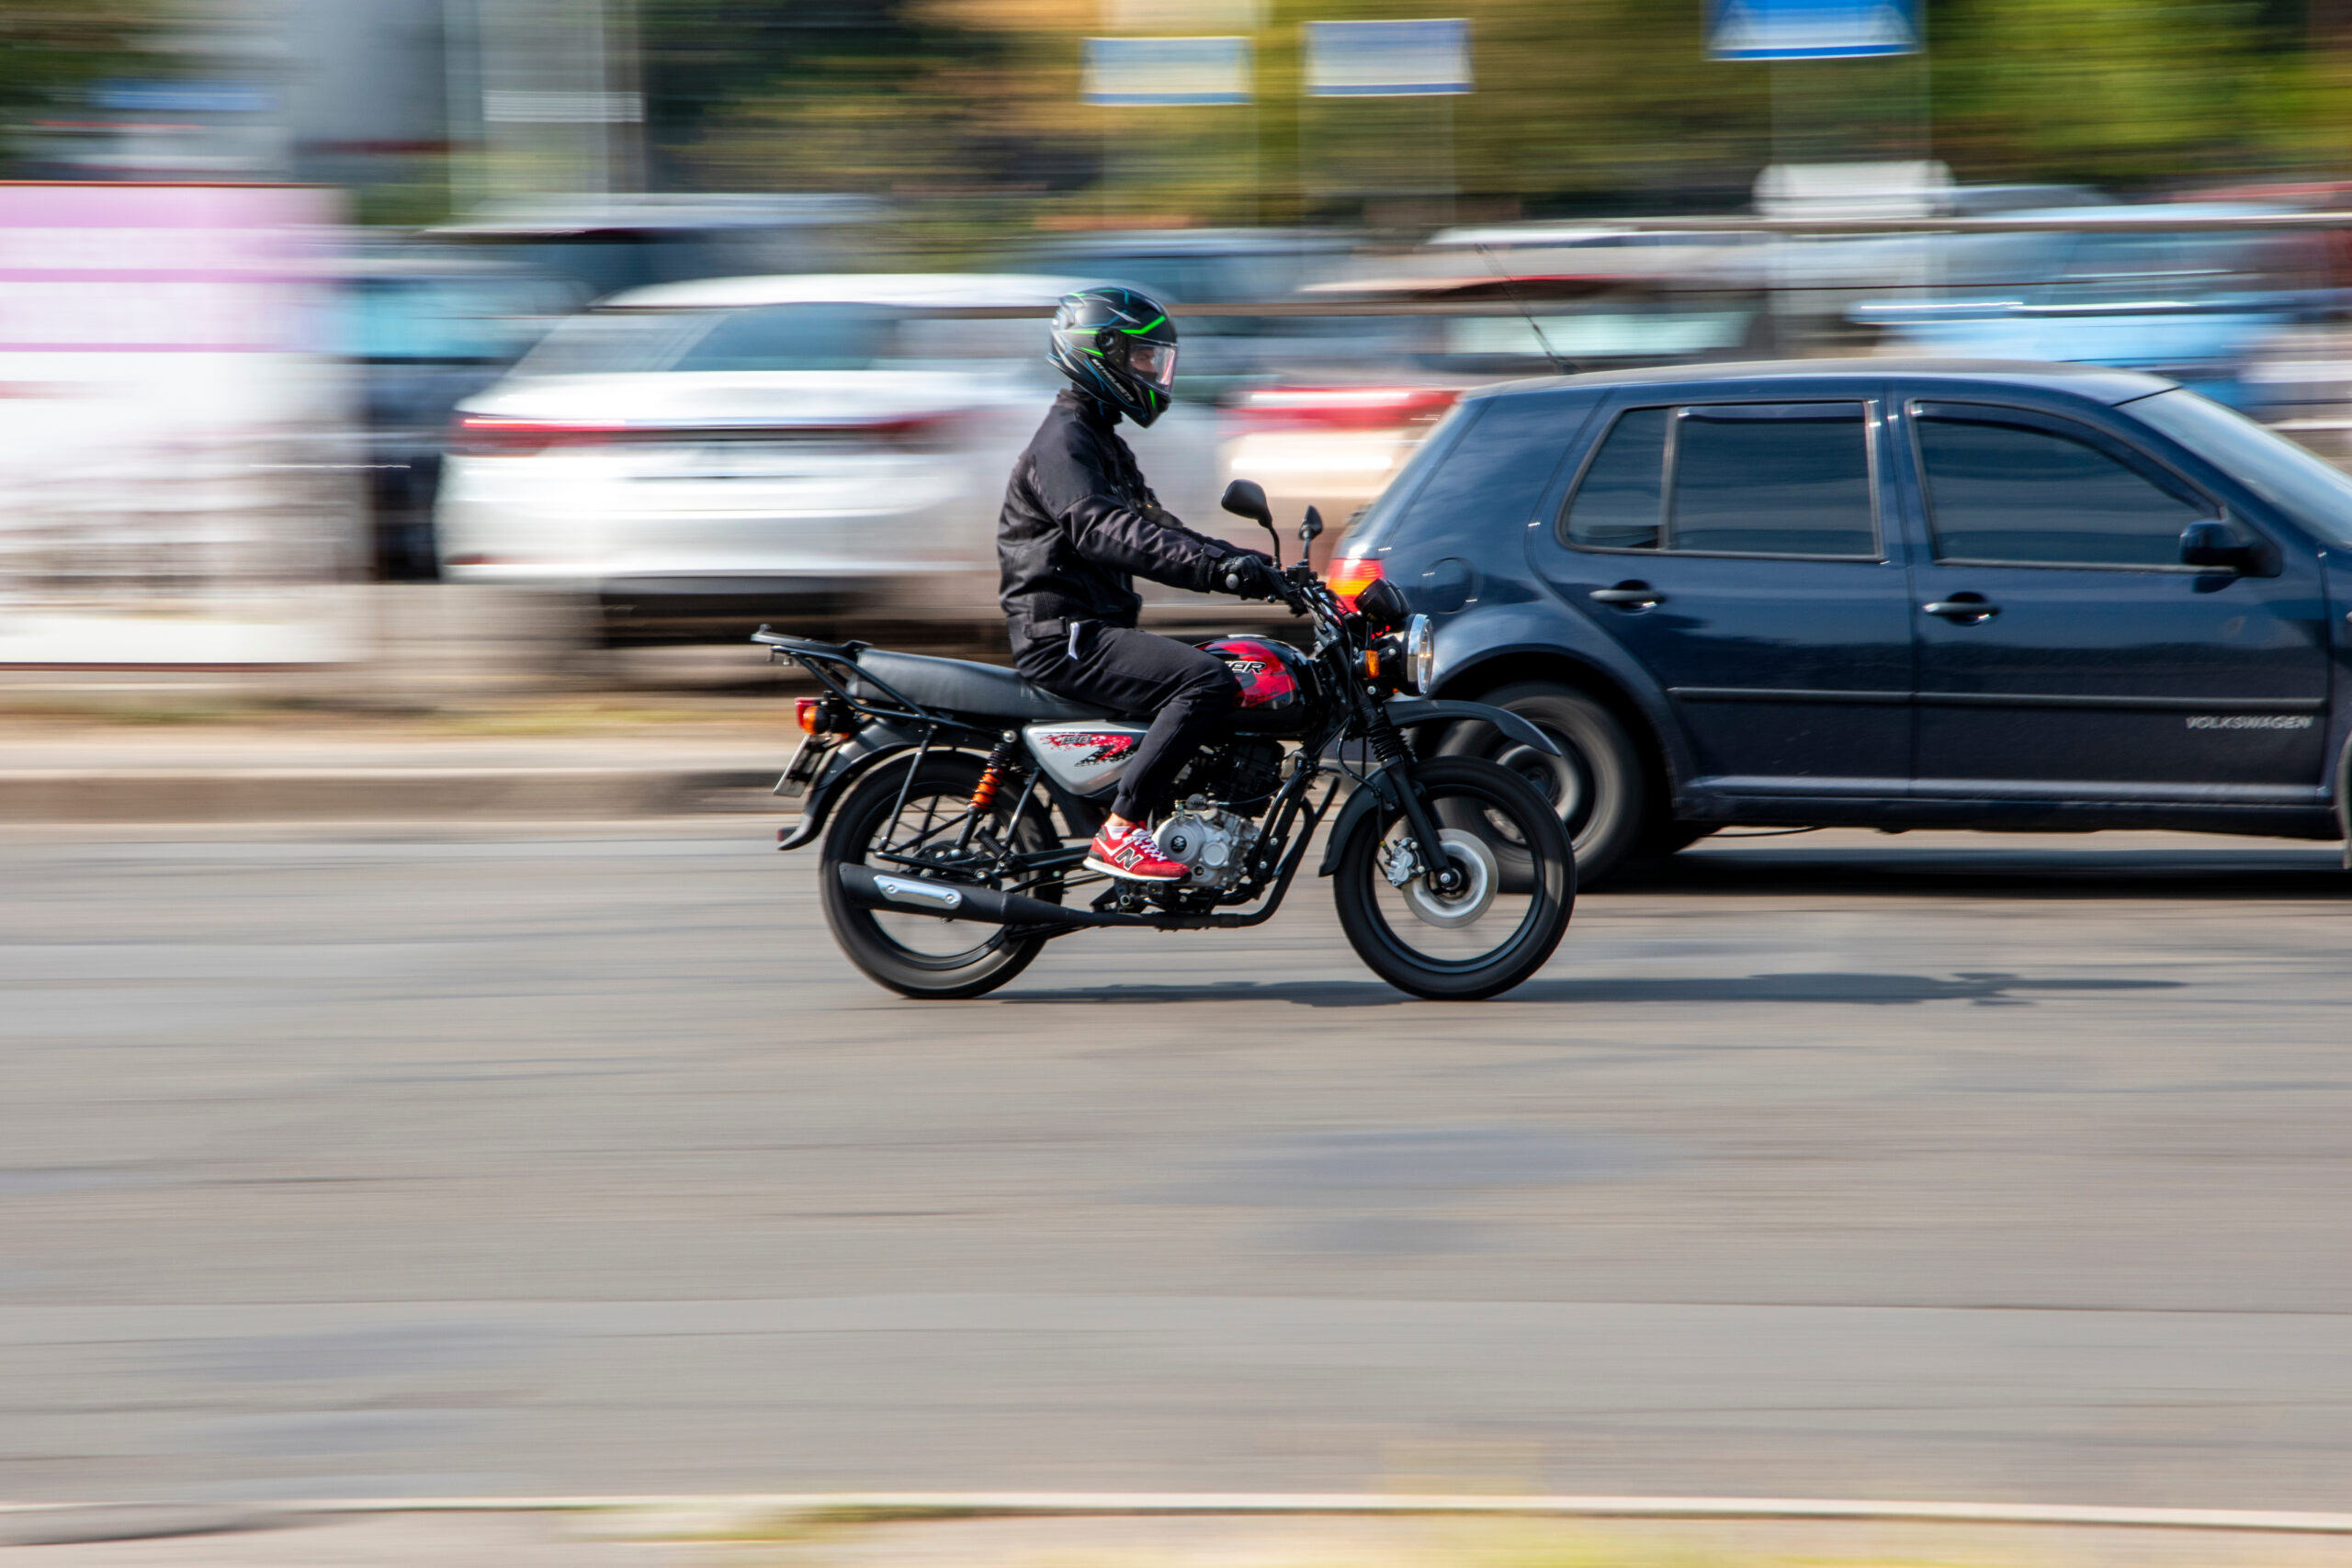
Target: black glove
column 1249, row 575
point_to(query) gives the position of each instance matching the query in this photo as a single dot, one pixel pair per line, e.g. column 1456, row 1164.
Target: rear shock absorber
column 991, row 776
column 984, row 793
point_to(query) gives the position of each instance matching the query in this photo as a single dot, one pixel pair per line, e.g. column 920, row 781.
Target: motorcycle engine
column 1243, row 772
column 1211, row 843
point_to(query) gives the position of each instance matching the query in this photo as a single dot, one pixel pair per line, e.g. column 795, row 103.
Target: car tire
column 1599, row 784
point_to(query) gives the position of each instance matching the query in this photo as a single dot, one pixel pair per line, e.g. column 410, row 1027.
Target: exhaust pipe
column 870, row 889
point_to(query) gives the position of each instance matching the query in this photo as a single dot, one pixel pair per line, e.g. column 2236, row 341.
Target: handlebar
column 1296, row 586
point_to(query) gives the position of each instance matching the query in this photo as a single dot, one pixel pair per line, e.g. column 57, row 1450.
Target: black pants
column 1184, row 690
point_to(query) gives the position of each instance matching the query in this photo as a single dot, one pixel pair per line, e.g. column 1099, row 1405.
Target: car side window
column 2023, row 490
column 1780, row 480
column 1621, row 503
column 1731, row 479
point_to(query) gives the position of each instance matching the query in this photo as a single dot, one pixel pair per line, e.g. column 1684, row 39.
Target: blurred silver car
column 700, row 457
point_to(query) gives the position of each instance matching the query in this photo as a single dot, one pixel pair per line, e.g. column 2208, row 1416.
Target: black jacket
column 1080, row 523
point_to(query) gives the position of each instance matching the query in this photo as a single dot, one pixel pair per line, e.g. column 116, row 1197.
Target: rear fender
column 851, row 762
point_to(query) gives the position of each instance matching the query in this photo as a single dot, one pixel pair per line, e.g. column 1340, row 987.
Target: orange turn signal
column 1351, row 575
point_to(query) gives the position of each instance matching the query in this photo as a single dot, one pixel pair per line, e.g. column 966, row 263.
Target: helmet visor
column 1153, row 363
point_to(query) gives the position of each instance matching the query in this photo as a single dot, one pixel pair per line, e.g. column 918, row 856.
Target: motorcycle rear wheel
column 1501, row 927
column 921, row 955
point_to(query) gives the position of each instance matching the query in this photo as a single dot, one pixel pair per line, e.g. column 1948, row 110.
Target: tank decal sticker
column 1107, row 745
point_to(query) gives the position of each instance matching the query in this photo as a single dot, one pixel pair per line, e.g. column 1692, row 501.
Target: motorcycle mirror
column 1247, row 498
column 1310, row 527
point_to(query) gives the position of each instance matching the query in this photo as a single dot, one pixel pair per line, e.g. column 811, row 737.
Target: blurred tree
column 902, row 99
column 51, row 51
column 1581, row 105
column 703, row 62
column 2128, row 92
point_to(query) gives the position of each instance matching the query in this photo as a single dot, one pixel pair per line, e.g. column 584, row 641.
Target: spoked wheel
column 921, row 955
column 1492, row 927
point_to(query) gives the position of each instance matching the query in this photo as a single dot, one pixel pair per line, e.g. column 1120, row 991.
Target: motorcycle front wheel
column 922, row 955
column 1493, row 930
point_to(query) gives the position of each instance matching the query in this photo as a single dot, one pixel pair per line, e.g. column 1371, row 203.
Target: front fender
column 1408, row 711
column 851, row 762
column 1380, row 789
column 1367, row 797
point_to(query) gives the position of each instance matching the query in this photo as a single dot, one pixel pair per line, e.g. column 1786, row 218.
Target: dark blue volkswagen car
column 1884, row 594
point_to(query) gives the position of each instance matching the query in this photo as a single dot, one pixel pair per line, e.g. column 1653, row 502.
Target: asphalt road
column 425, row 1159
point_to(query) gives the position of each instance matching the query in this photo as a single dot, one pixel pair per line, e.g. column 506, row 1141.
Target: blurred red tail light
column 486, row 435
column 1351, row 575
column 916, row 430
column 489, row 435
column 1342, row 408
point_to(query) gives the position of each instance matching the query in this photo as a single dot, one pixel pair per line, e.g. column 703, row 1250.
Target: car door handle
column 1641, row 596
column 1966, row 609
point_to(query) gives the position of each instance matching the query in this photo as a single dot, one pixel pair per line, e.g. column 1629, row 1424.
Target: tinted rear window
column 772, row 337
column 1497, row 470
column 1730, row 479
column 1785, row 479
column 792, row 337
column 1620, row 503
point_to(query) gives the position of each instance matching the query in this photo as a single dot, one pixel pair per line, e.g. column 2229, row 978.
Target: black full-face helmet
column 1117, row 346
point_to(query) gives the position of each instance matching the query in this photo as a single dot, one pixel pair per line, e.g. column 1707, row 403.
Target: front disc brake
column 1481, row 879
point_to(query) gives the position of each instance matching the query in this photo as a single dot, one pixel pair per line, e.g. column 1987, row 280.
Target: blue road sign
column 1811, row 29
column 1135, row 71
column 1379, row 60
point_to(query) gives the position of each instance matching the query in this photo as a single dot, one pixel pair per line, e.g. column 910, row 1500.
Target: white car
column 700, row 457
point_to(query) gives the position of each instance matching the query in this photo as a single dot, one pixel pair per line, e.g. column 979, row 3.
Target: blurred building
column 498, row 98
column 367, row 90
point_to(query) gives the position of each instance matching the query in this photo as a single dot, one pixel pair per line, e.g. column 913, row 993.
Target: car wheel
column 1598, row 785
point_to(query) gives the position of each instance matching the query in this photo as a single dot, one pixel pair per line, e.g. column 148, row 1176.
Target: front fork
column 1396, row 757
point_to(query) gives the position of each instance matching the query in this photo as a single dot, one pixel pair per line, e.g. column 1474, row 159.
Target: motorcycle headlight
column 1420, row 653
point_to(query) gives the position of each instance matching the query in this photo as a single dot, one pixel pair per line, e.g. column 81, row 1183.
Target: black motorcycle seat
column 958, row 685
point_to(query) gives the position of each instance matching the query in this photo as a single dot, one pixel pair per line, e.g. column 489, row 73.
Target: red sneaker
column 1133, row 855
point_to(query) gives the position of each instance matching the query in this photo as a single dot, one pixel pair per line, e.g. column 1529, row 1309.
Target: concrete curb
column 716, row 1511
column 67, row 796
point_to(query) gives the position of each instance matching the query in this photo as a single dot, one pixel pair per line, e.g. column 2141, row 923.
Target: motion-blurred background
column 431, row 394
column 678, row 316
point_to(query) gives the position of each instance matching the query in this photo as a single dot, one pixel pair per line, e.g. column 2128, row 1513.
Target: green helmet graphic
column 1118, row 347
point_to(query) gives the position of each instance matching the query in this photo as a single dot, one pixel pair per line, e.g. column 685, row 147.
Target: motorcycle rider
column 1079, row 524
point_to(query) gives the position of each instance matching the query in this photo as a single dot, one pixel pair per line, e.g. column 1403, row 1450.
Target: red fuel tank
column 1277, row 684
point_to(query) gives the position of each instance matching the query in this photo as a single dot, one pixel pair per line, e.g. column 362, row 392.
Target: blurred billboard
column 1143, row 72
column 1354, row 59
column 1813, row 29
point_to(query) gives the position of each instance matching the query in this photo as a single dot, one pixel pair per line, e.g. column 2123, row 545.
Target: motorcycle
column 955, row 801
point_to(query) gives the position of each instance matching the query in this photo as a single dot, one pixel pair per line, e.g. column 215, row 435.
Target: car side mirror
column 2212, row 542
column 1310, row 527
column 1247, row 498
